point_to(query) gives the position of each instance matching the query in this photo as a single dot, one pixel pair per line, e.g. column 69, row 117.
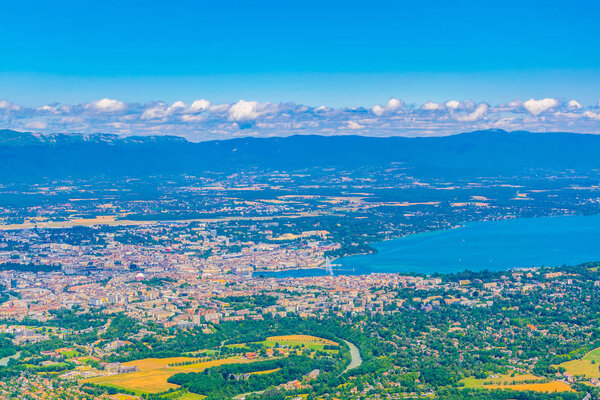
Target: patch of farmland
column 154, row 373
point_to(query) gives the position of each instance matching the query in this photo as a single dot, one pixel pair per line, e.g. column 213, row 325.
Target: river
column 356, row 359
column 4, row 361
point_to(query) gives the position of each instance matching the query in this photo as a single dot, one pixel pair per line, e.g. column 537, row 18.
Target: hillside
column 25, row 156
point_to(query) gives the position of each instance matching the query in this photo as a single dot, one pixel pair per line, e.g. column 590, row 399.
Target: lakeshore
column 477, row 246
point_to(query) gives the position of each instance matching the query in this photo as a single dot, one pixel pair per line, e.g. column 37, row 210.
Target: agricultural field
column 588, row 366
column 179, row 395
column 548, row 387
column 268, row 371
column 154, row 372
column 523, row 382
column 123, row 397
column 190, row 396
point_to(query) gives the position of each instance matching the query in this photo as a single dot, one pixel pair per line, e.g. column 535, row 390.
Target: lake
column 494, row 245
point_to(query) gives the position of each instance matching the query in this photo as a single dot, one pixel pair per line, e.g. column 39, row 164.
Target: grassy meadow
column 588, row 366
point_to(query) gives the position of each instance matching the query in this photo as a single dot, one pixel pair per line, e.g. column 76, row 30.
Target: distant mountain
column 29, row 156
column 15, row 138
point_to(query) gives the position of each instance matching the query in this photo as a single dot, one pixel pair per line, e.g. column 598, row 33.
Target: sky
column 269, row 68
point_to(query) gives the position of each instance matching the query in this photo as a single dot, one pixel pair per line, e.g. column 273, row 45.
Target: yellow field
column 269, row 371
column 120, row 396
column 549, row 387
column 154, row 372
column 517, row 382
column 584, row 366
column 154, row 363
column 190, row 396
column 301, row 339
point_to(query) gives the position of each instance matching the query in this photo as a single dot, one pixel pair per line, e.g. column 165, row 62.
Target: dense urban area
column 180, row 288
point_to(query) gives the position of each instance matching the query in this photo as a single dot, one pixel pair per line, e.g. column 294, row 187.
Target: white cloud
column 202, row 120
column 537, row 107
column 161, row 110
column 431, row 106
column 243, row 111
column 36, row 125
column 477, row 114
column 158, row 111
column 574, row 105
column 515, row 103
column 70, row 120
column 177, row 105
column 192, row 118
column 9, row 106
column 568, row 114
column 513, row 106
column 355, row 125
column 378, row 110
column 392, row 105
column 219, row 108
column 106, row 105
column 453, row 104
column 592, row 115
column 54, row 109
column 199, row 105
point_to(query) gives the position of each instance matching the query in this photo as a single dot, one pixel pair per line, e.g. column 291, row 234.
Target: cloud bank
column 203, row 120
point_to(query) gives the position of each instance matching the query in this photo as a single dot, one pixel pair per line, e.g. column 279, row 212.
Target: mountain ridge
column 490, row 152
column 12, row 137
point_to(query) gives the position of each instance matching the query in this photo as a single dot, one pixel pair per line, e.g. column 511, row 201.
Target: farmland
column 548, row 387
column 190, row 396
column 154, row 372
column 524, row 382
column 588, row 366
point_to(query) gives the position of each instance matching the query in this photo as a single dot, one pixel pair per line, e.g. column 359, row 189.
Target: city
column 299, row 200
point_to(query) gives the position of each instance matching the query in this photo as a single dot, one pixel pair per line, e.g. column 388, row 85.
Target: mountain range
column 28, row 156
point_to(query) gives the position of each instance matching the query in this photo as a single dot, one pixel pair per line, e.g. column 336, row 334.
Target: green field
column 183, row 395
column 236, row 346
column 310, row 342
column 70, row 353
column 588, row 366
column 191, row 396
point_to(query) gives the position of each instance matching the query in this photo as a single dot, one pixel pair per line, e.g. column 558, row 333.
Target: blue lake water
column 495, row 245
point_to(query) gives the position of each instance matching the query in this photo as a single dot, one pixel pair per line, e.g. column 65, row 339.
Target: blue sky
column 338, row 54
